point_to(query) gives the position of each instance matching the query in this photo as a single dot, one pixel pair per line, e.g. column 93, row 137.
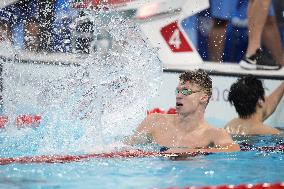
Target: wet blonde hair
column 200, row 78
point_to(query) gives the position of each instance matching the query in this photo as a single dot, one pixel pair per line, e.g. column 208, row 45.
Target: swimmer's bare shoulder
column 240, row 127
column 221, row 139
column 217, row 134
column 265, row 129
column 235, row 126
column 151, row 124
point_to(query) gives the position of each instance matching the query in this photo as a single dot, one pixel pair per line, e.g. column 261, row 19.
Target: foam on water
column 88, row 107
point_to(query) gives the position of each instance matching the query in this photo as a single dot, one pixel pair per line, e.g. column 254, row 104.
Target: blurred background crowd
column 220, row 33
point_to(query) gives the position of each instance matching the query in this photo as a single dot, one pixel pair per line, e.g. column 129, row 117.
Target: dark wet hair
column 200, row 78
column 244, row 94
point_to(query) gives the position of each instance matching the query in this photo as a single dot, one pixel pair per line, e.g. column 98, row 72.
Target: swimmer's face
column 187, row 97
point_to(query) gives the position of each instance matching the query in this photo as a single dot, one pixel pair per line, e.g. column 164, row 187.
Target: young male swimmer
column 186, row 131
column 252, row 106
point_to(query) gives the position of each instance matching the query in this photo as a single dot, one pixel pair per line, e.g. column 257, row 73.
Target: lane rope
column 241, row 186
column 121, row 154
column 84, row 157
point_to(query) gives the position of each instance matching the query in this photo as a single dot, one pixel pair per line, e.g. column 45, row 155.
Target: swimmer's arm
column 273, row 100
column 143, row 133
column 223, row 142
column 230, row 147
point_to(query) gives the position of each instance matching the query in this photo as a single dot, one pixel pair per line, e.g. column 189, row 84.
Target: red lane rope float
column 156, row 110
column 241, row 186
column 162, row 111
column 74, row 158
column 3, row 121
column 25, row 120
column 172, row 111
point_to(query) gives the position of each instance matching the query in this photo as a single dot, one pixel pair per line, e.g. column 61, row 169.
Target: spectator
column 221, row 12
column 46, row 20
column 252, row 106
column 233, row 14
column 279, row 9
column 62, row 32
column 237, row 34
column 256, row 57
column 25, row 11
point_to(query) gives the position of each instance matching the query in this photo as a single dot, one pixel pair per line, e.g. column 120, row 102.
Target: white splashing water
column 86, row 107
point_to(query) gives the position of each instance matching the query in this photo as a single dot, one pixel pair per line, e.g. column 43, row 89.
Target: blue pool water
column 80, row 98
column 153, row 172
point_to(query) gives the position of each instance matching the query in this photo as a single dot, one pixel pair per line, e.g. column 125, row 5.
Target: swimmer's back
column 239, row 126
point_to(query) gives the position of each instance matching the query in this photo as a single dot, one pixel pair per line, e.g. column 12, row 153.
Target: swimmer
column 247, row 95
column 186, row 131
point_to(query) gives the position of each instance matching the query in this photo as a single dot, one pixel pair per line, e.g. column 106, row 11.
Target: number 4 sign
column 175, row 38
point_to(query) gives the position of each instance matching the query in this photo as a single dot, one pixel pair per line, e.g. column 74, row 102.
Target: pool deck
column 66, row 59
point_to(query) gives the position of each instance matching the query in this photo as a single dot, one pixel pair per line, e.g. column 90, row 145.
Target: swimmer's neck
column 191, row 122
column 255, row 118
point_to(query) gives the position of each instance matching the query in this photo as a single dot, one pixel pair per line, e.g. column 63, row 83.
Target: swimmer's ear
column 260, row 102
column 204, row 98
